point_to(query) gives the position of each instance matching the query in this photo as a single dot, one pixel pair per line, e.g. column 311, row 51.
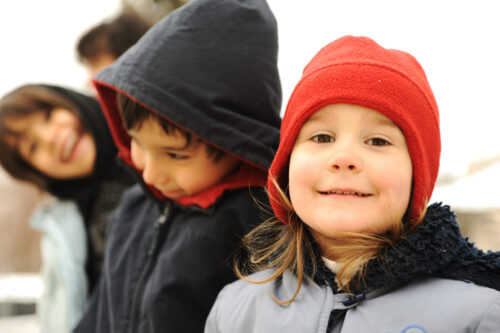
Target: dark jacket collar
column 435, row 249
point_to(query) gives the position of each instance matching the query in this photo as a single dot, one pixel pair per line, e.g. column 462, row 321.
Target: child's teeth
column 352, row 193
column 69, row 146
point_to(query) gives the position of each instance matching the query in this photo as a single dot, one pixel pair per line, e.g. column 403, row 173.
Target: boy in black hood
column 194, row 110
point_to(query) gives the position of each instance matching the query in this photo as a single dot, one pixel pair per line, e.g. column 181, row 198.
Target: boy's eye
column 177, row 156
column 323, row 138
column 378, row 142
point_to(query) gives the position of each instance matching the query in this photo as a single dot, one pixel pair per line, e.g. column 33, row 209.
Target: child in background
column 105, row 42
column 354, row 247
column 58, row 140
column 194, row 109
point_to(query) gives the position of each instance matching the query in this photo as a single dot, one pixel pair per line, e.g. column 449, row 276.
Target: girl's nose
column 44, row 135
column 345, row 160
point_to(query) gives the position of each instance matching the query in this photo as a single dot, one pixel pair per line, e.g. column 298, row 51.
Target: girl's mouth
column 338, row 192
column 69, row 146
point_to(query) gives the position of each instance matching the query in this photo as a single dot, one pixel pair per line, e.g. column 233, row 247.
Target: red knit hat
column 356, row 70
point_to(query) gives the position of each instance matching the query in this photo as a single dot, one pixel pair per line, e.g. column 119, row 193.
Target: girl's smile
column 345, row 192
column 54, row 143
column 350, row 171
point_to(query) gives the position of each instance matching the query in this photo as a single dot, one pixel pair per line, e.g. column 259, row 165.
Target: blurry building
column 473, row 196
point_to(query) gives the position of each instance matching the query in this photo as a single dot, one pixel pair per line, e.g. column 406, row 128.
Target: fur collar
column 436, row 248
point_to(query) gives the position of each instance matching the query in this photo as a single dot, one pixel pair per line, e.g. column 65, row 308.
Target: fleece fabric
column 210, row 67
column 434, row 280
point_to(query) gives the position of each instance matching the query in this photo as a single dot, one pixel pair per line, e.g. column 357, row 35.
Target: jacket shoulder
column 250, row 307
column 431, row 304
column 236, row 213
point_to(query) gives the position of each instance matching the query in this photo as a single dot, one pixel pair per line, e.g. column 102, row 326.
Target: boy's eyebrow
column 174, row 148
column 163, row 147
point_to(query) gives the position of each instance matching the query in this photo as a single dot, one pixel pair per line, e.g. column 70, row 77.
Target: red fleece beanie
column 356, row 70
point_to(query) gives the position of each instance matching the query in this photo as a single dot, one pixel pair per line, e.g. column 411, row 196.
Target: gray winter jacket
column 425, row 305
column 439, row 282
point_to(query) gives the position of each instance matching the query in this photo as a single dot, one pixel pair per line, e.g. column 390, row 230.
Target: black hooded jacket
column 98, row 194
column 211, row 68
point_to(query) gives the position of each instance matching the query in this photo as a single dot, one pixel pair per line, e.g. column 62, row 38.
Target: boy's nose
column 152, row 174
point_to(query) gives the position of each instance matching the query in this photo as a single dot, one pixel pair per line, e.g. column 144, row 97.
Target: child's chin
column 174, row 195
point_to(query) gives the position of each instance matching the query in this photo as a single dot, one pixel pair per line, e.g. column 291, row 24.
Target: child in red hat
column 354, row 246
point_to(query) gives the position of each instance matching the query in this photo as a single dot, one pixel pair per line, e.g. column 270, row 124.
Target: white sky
column 456, row 42
column 38, row 39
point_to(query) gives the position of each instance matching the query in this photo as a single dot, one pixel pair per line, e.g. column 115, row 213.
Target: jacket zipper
column 151, row 258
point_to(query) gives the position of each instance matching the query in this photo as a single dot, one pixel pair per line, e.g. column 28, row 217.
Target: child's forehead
column 334, row 112
column 20, row 123
column 151, row 132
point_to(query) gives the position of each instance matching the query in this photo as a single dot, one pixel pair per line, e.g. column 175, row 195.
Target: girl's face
column 54, row 143
column 350, row 171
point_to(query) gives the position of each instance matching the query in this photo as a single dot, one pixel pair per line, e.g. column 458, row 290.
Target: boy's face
column 54, row 143
column 350, row 170
column 172, row 168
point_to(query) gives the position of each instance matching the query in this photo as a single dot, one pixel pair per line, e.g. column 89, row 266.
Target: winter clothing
column 98, row 194
column 73, row 225
column 210, row 67
column 432, row 281
column 64, row 251
column 356, row 70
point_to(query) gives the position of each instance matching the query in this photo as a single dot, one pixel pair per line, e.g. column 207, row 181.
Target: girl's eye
column 32, row 147
column 378, row 142
column 323, row 138
column 47, row 113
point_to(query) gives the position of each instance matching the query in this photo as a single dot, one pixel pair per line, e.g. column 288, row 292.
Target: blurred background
column 455, row 42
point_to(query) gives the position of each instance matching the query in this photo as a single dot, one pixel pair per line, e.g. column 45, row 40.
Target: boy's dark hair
column 134, row 115
column 21, row 102
column 113, row 37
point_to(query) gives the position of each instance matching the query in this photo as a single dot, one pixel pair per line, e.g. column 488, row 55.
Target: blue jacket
column 64, row 253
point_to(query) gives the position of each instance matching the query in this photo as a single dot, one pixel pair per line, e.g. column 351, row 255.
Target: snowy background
column 456, row 42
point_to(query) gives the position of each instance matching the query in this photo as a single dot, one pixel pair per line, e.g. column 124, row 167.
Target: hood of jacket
column 210, row 67
column 435, row 249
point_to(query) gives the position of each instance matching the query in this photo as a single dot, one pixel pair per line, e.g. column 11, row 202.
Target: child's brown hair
column 135, row 114
column 287, row 246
